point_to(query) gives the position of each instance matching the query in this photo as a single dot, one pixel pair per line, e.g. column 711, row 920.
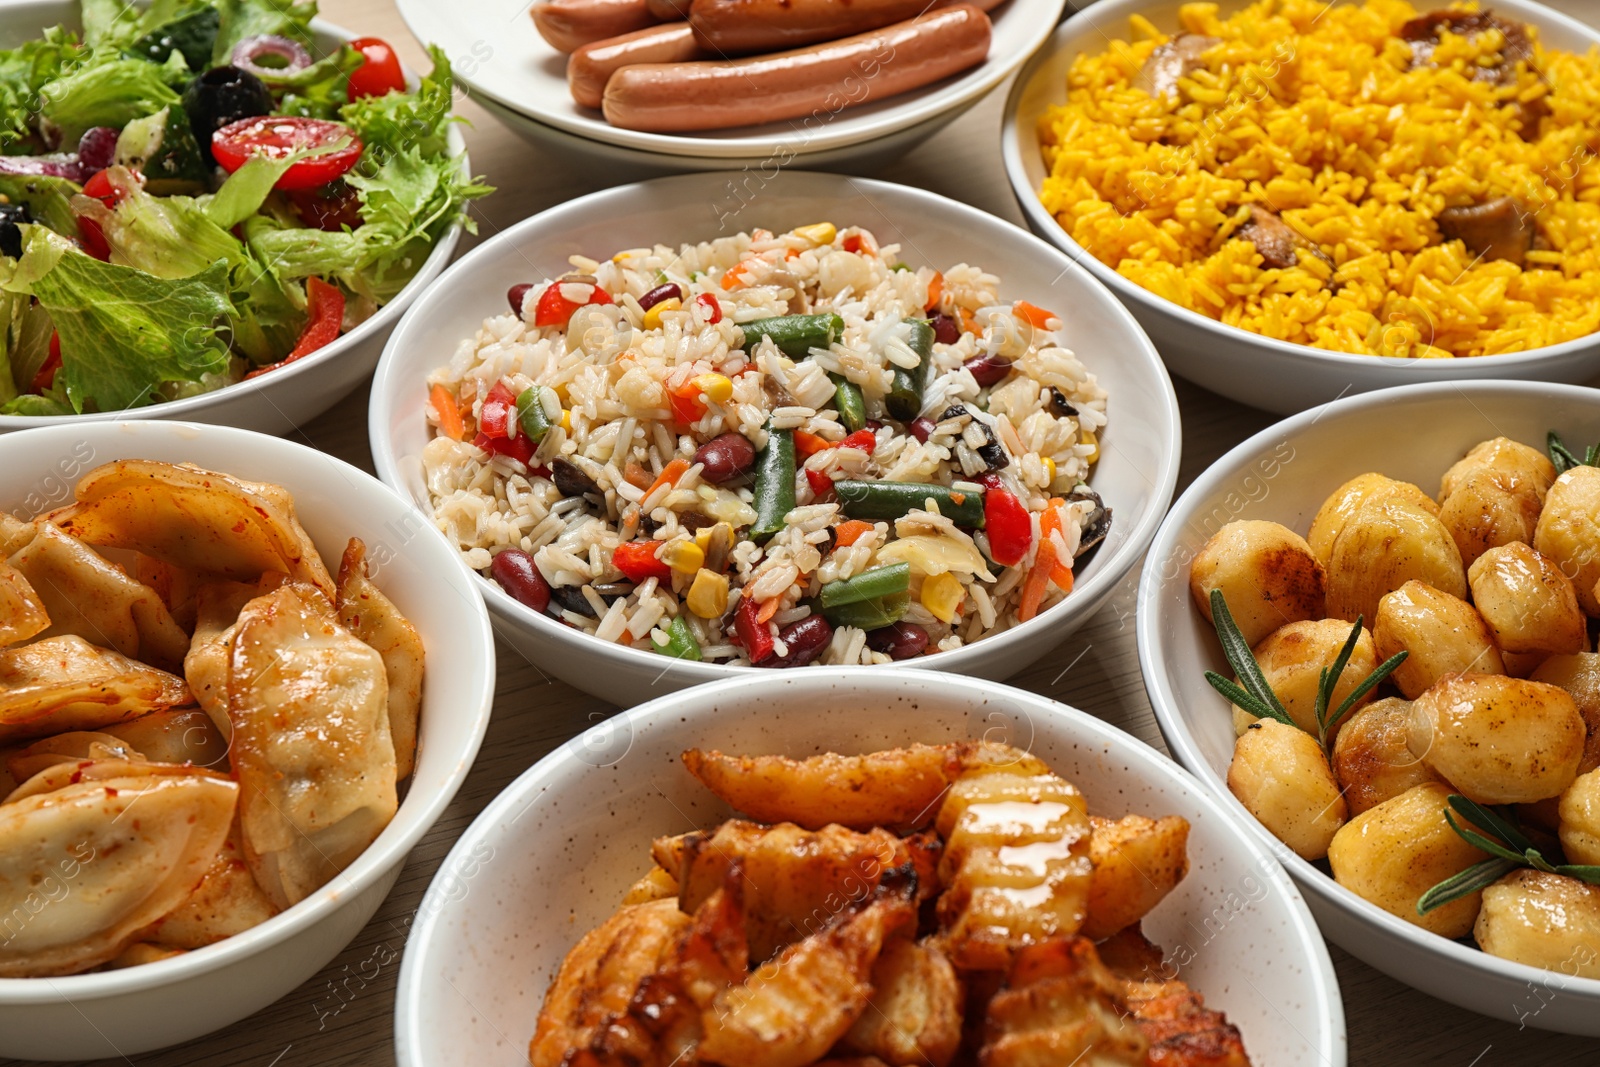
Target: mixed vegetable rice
column 771, row 448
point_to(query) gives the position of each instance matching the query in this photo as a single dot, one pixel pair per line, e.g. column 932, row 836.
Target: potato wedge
column 1267, row 575
column 1137, row 862
column 915, row 1014
column 1282, row 778
column 1498, row 740
column 1439, row 633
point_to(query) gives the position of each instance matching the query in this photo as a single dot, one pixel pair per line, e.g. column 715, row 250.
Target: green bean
column 905, row 393
column 868, row 585
column 680, row 643
column 530, row 414
column 795, row 335
column 870, row 614
column 774, row 490
column 893, row 500
column 849, row 402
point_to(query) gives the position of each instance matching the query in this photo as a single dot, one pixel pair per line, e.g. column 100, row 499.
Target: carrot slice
column 808, row 444
column 444, row 405
column 769, row 608
column 1038, row 580
column 1034, row 316
column 669, row 475
column 851, row 531
column 1049, row 523
column 935, row 291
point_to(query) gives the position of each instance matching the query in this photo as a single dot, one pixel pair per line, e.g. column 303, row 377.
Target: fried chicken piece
column 598, row 978
column 793, row 1009
column 1178, row 58
column 1181, row 1030
column 899, row 789
column 1137, row 862
column 915, row 1014
column 1060, row 1005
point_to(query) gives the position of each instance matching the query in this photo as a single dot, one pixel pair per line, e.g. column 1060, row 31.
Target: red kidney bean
column 726, row 457
column 517, row 574
column 805, row 641
column 901, row 640
column 922, row 428
column 670, row 291
column 872, row 424
column 988, row 369
column 515, row 294
column 946, row 331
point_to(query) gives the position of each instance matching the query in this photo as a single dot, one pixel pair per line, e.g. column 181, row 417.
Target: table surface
column 344, row 1016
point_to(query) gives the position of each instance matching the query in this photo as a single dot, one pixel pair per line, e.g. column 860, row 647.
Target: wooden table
column 344, row 1016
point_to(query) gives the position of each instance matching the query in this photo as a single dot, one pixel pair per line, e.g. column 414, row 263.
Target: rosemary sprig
column 1500, row 835
column 1255, row 695
column 1565, row 459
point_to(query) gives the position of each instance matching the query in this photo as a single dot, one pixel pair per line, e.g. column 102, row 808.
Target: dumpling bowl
column 1283, row 474
column 150, row 1005
column 289, row 396
column 552, row 856
column 1139, row 449
column 1278, row 376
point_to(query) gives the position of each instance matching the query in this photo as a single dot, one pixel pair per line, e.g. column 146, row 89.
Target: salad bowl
column 274, row 402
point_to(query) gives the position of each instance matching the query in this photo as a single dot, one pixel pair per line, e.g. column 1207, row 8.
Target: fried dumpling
column 226, row 902
column 311, row 747
column 93, row 598
column 176, row 586
column 64, row 683
column 78, row 883
column 371, row 616
column 72, row 747
column 22, row 612
column 217, row 607
column 181, row 735
column 14, row 533
column 207, row 522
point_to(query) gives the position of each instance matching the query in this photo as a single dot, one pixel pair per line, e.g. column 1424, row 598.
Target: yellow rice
column 1311, row 111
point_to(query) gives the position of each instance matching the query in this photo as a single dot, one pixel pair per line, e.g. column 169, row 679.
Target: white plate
column 1248, row 367
column 290, row 396
column 1283, row 474
column 123, row 1013
column 496, row 53
column 551, row 857
column 1139, row 449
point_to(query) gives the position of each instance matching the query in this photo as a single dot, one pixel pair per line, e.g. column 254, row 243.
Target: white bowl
column 122, row 1013
column 499, row 57
column 1139, row 450
column 552, row 855
column 1284, row 473
column 290, row 396
column 1248, row 367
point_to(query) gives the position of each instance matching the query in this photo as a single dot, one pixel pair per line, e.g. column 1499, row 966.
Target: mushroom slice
column 79, row 883
column 371, row 616
column 22, row 613
column 65, row 683
column 192, row 518
column 311, row 748
column 95, row 599
column 1178, row 58
column 1500, row 228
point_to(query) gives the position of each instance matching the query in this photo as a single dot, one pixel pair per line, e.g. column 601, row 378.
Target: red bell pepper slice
column 1007, row 522
column 325, row 318
column 637, row 560
column 754, row 637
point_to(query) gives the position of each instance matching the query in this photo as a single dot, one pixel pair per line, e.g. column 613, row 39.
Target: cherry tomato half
column 380, row 74
column 277, row 136
column 330, row 207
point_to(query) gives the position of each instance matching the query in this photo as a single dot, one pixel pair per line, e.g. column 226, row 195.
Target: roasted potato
column 1531, row 466
column 1137, row 861
column 1543, row 920
column 1292, row 660
column 1523, row 664
column 1579, row 675
column 914, row 1016
column 1384, row 546
column 1350, row 498
column 1282, row 778
column 1527, row 602
column 1569, row 531
column 1489, row 508
column 1498, row 740
column 1397, row 851
column 1580, row 819
column 656, row 884
column 1439, row 633
column 1371, row 760
column 1267, row 575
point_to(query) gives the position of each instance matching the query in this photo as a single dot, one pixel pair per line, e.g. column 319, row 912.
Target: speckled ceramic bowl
column 551, row 857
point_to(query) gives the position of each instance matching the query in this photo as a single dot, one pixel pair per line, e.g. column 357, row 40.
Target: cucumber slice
column 193, row 35
column 162, row 147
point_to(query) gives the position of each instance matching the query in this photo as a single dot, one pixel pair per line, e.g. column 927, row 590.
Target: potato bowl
column 290, row 396
column 125, row 1012
column 1283, row 474
column 1256, row 370
column 1139, row 451
column 552, row 855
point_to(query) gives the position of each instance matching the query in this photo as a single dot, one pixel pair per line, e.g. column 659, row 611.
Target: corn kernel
column 942, row 595
column 818, row 233
column 708, row 596
column 683, row 556
column 566, row 420
column 1049, row 470
column 718, row 388
column 1094, row 445
column 652, row 318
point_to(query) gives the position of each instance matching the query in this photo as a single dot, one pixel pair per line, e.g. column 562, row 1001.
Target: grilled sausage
column 669, row 10
column 739, row 27
column 591, row 66
column 819, row 80
column 567, row 25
